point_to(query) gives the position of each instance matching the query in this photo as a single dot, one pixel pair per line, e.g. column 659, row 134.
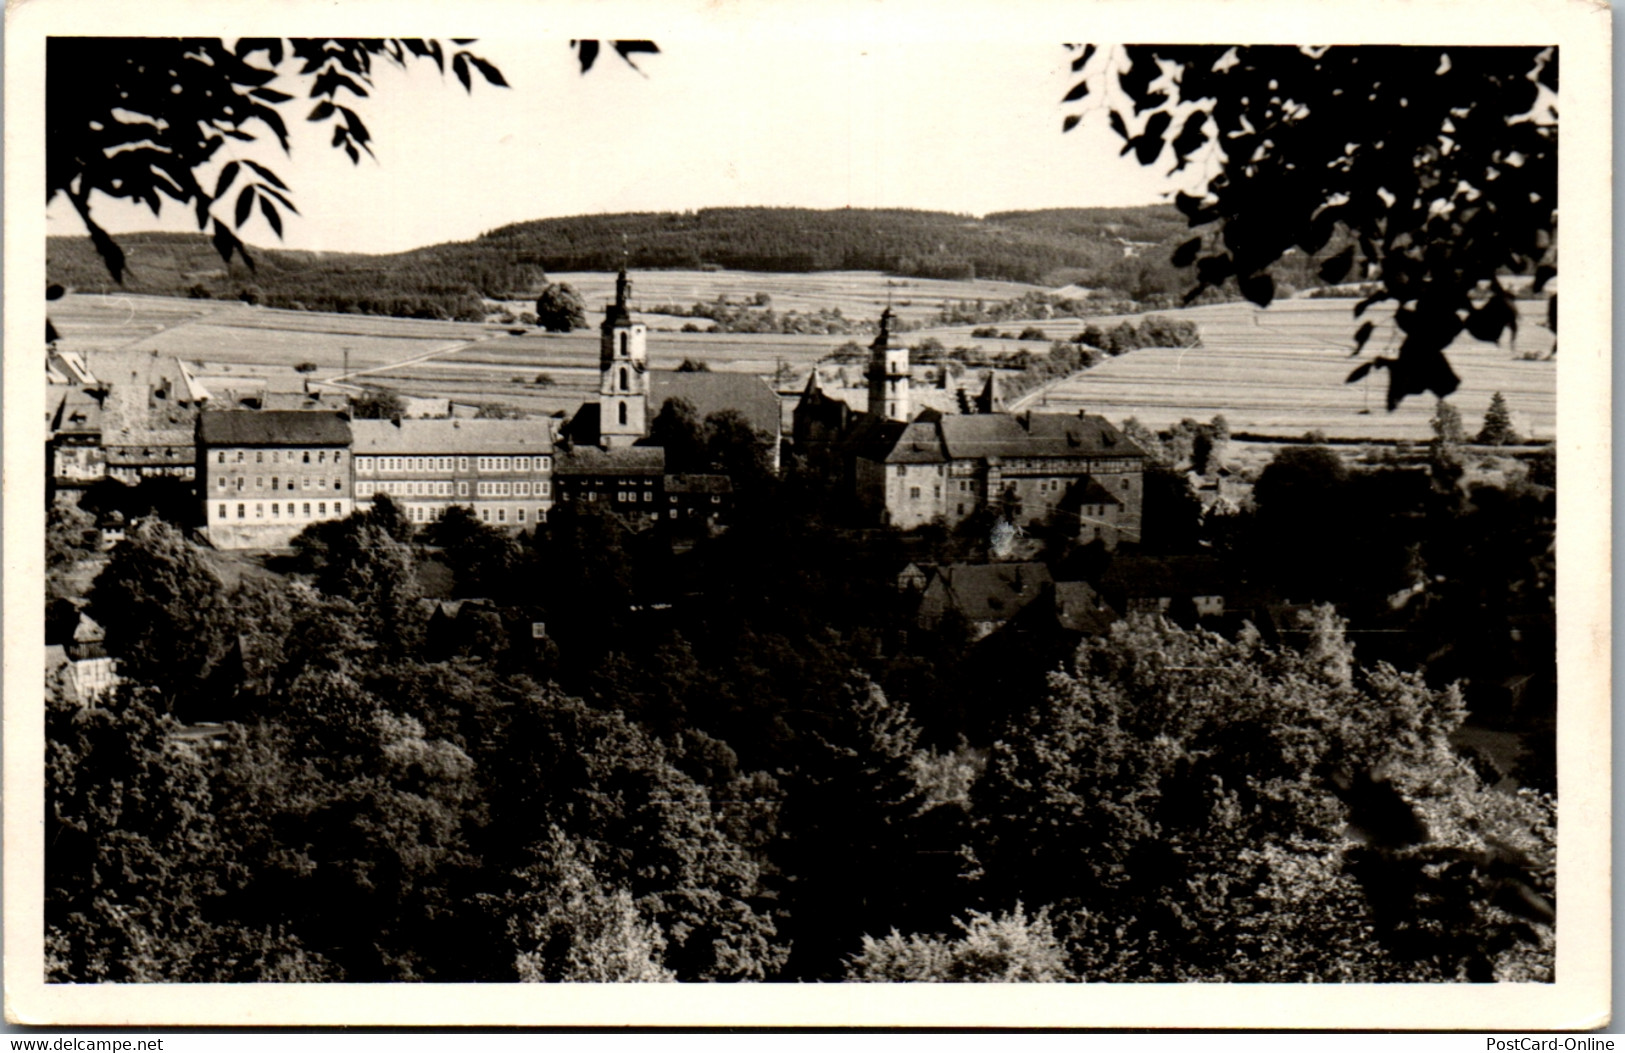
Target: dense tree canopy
column 1429, row 171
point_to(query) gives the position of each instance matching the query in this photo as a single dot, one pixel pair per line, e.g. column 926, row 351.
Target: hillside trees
column 1498, row 429
column 165, row 613
column 1458, row 189
column 1190, row 807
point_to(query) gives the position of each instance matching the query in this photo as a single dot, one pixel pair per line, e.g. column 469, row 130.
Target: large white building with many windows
column 265, row 475
column 501, row 469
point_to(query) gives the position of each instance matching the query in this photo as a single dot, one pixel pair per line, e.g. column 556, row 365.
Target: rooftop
column 486, row 436
column 273, row 428
column 590, row 460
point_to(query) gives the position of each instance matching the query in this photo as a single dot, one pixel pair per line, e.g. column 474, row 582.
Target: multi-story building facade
column 629, row 480
column 500, row 469
column 265, row 475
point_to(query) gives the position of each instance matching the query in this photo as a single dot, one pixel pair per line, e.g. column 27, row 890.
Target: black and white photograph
column 783, row 499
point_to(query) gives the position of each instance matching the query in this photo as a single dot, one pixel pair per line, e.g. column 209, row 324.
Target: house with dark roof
column 265, row 475
column 1160, row 584
column 502, row 470
column 628, row 479
column 984, row 595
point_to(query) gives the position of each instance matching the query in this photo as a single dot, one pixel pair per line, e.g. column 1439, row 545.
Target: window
column 321, row 508
column 624, row 351
column 648, row 495
column 239, row 456
column 502, row 515
column 544, row 464
column 338, row 484
column 321, row 457
column 522, row 489
column 961, row 510
column 541, row 515
column 273, row 483
column 462, row 464
column 220, row 483
column 275, row 457
column 337, row 456
column 307, row 456
column 462, row 489
column 222, row 459
column 520, row 514
column 625, row 381
column 259, row 482
column 276, row 510
column 622, row 413
column 242, row 511
column 901, row 471
column 485, row 515
column 716, row 499
column 222, row 512
column 338, row 508
column 240, row 481
column 290, row 484
column 544, row 489
column 304, row 484
column 1125, row 482
column 521, row 464
column 914, row 493
column 259, row 511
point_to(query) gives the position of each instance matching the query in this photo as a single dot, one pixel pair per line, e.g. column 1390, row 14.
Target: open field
column 857, row 294
column 1280, row 371
column 1275, row 371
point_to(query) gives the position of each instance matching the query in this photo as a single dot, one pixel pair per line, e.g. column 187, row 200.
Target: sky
column 823, row 120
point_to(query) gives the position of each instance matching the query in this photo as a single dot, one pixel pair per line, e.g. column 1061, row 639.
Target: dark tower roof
column 618, row 313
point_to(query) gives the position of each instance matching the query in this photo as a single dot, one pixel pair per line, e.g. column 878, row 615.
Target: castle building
column 908, row 470
column 265, row 475
column 500, row 469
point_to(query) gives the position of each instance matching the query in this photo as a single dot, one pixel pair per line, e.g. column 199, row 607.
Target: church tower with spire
column 888, row 373
column 623, row 367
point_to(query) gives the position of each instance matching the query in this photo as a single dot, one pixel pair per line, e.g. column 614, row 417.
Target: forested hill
column 1015, row 246
column 1124, row 251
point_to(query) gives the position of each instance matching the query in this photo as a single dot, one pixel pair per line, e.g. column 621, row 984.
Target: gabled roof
column 409, row 436
column 990, row 436
column 712, row 393
column 273, row 428
column 1078, row 607
column 920, row 442
column 983, row 592
column 1088, row 491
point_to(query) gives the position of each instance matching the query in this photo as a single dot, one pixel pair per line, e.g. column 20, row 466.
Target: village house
column 910, row 469
column 502, row 470
column 149, row 410
column 629, row 480
column 266, row 475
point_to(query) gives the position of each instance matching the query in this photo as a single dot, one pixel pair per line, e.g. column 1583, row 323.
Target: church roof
column 712, row 393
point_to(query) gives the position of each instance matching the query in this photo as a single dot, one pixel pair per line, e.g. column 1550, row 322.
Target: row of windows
column 436, row 488
column 444, row 464
column 543, row 489
column 294, row 456
column 305, row 483
column 300, row 511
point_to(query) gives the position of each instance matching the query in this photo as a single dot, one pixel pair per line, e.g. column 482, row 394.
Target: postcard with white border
column 878, row 514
